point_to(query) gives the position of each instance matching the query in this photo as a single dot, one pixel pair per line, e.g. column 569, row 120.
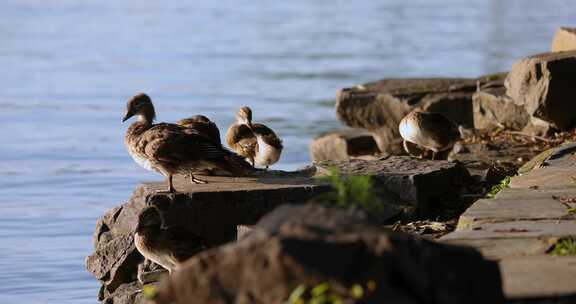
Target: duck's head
column 244, row 116
column 149, row 219
column 140, row 105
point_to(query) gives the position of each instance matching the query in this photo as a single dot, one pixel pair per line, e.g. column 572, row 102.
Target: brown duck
column 202, row 125
column 171, row 149
column 256, row 142
column 429, row 130
column 163, row 245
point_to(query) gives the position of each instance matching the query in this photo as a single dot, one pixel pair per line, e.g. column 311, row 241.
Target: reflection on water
column 69, row 66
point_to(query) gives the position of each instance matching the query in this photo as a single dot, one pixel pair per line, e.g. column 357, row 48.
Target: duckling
column 429, row 130
column 163, row 245
column 171, row 149
column 256, row 142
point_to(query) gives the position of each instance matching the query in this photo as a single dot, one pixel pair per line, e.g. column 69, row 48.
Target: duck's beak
column 127, row 116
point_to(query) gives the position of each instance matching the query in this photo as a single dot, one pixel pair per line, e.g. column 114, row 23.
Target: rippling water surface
column 67, row 68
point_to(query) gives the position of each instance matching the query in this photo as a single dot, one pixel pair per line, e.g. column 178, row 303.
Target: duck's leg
column 170, row 184
column 433, row 155
column 252, row 162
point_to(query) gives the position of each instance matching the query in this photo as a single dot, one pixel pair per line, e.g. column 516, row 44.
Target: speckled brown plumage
column 202, row 125
column 164, row 245
column 170, row 148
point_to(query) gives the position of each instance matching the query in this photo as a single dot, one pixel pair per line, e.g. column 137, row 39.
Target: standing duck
column 429, row 130
column 256, row 142
column 170, row 149
column 163, row 245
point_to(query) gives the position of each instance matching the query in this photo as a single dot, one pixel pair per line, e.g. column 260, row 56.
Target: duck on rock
column 171, row 149
column 254, row 141
column 429, row 130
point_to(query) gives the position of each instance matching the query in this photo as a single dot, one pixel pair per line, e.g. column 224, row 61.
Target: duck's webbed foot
column 170, row 185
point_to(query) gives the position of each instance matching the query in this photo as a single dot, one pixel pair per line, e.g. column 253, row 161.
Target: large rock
column 401, row 180
column 343, row 145
column 493, row 109
column 311, row 245
column 210, row 211
column 379, row 106
column 544, row 85
column 564, row 40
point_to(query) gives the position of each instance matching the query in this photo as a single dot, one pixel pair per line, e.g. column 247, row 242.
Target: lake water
column 67, row 68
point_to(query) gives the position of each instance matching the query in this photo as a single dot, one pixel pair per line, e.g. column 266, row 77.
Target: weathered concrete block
column 513, row 204
column 512, row 238
column 539, row 279
column 343, row 144
column 564, row 40
column 379, row 106
column 544, row 85
column 423, row 184
column 308, row 245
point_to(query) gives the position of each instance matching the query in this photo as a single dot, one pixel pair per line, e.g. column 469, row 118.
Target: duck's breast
column 266, row 154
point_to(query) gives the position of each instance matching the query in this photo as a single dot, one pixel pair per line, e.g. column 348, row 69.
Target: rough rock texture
column 404, row 180
column 211, row 211
column 544, row 85
column 564, row 40
column 343, row 145
column 311, row 244
column 521, row 226
column 379, row 106
column 493, row 109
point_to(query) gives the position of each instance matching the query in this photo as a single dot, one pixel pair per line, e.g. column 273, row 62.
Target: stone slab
column 498, row 248
column 343, row 145
column 517, row 204
column 539, row 277
column 423, row 184
column 553, row 177
column 516, row 229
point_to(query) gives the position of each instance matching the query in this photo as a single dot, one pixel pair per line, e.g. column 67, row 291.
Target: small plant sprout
column 499, row 187
column 564, row 247
column 352, row 190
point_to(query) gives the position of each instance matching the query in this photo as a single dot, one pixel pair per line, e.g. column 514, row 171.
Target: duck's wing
column 209, row 130
column 171, row 143
column 267, row 135
column 241, row 139
column 443, row 130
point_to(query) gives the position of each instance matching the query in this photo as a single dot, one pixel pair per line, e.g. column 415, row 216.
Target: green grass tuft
column 564, row 247
column 499, row 187
column 352, row 191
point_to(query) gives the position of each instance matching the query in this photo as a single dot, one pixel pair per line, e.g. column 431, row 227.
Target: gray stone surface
column 307, row 245
column 521, row 225
column 493, row 109
column 564, row 40
column 515, row 204
column 343, row 145
column 210, row 211
column 544, row 85
column 403, row 180
column 544, row 277
column 379, row 106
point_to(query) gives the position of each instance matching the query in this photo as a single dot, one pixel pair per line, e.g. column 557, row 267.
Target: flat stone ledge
column 516, row 204
column 545, row 277
column 400, row 180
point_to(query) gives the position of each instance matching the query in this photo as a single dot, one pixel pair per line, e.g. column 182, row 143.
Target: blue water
column 67, row 67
